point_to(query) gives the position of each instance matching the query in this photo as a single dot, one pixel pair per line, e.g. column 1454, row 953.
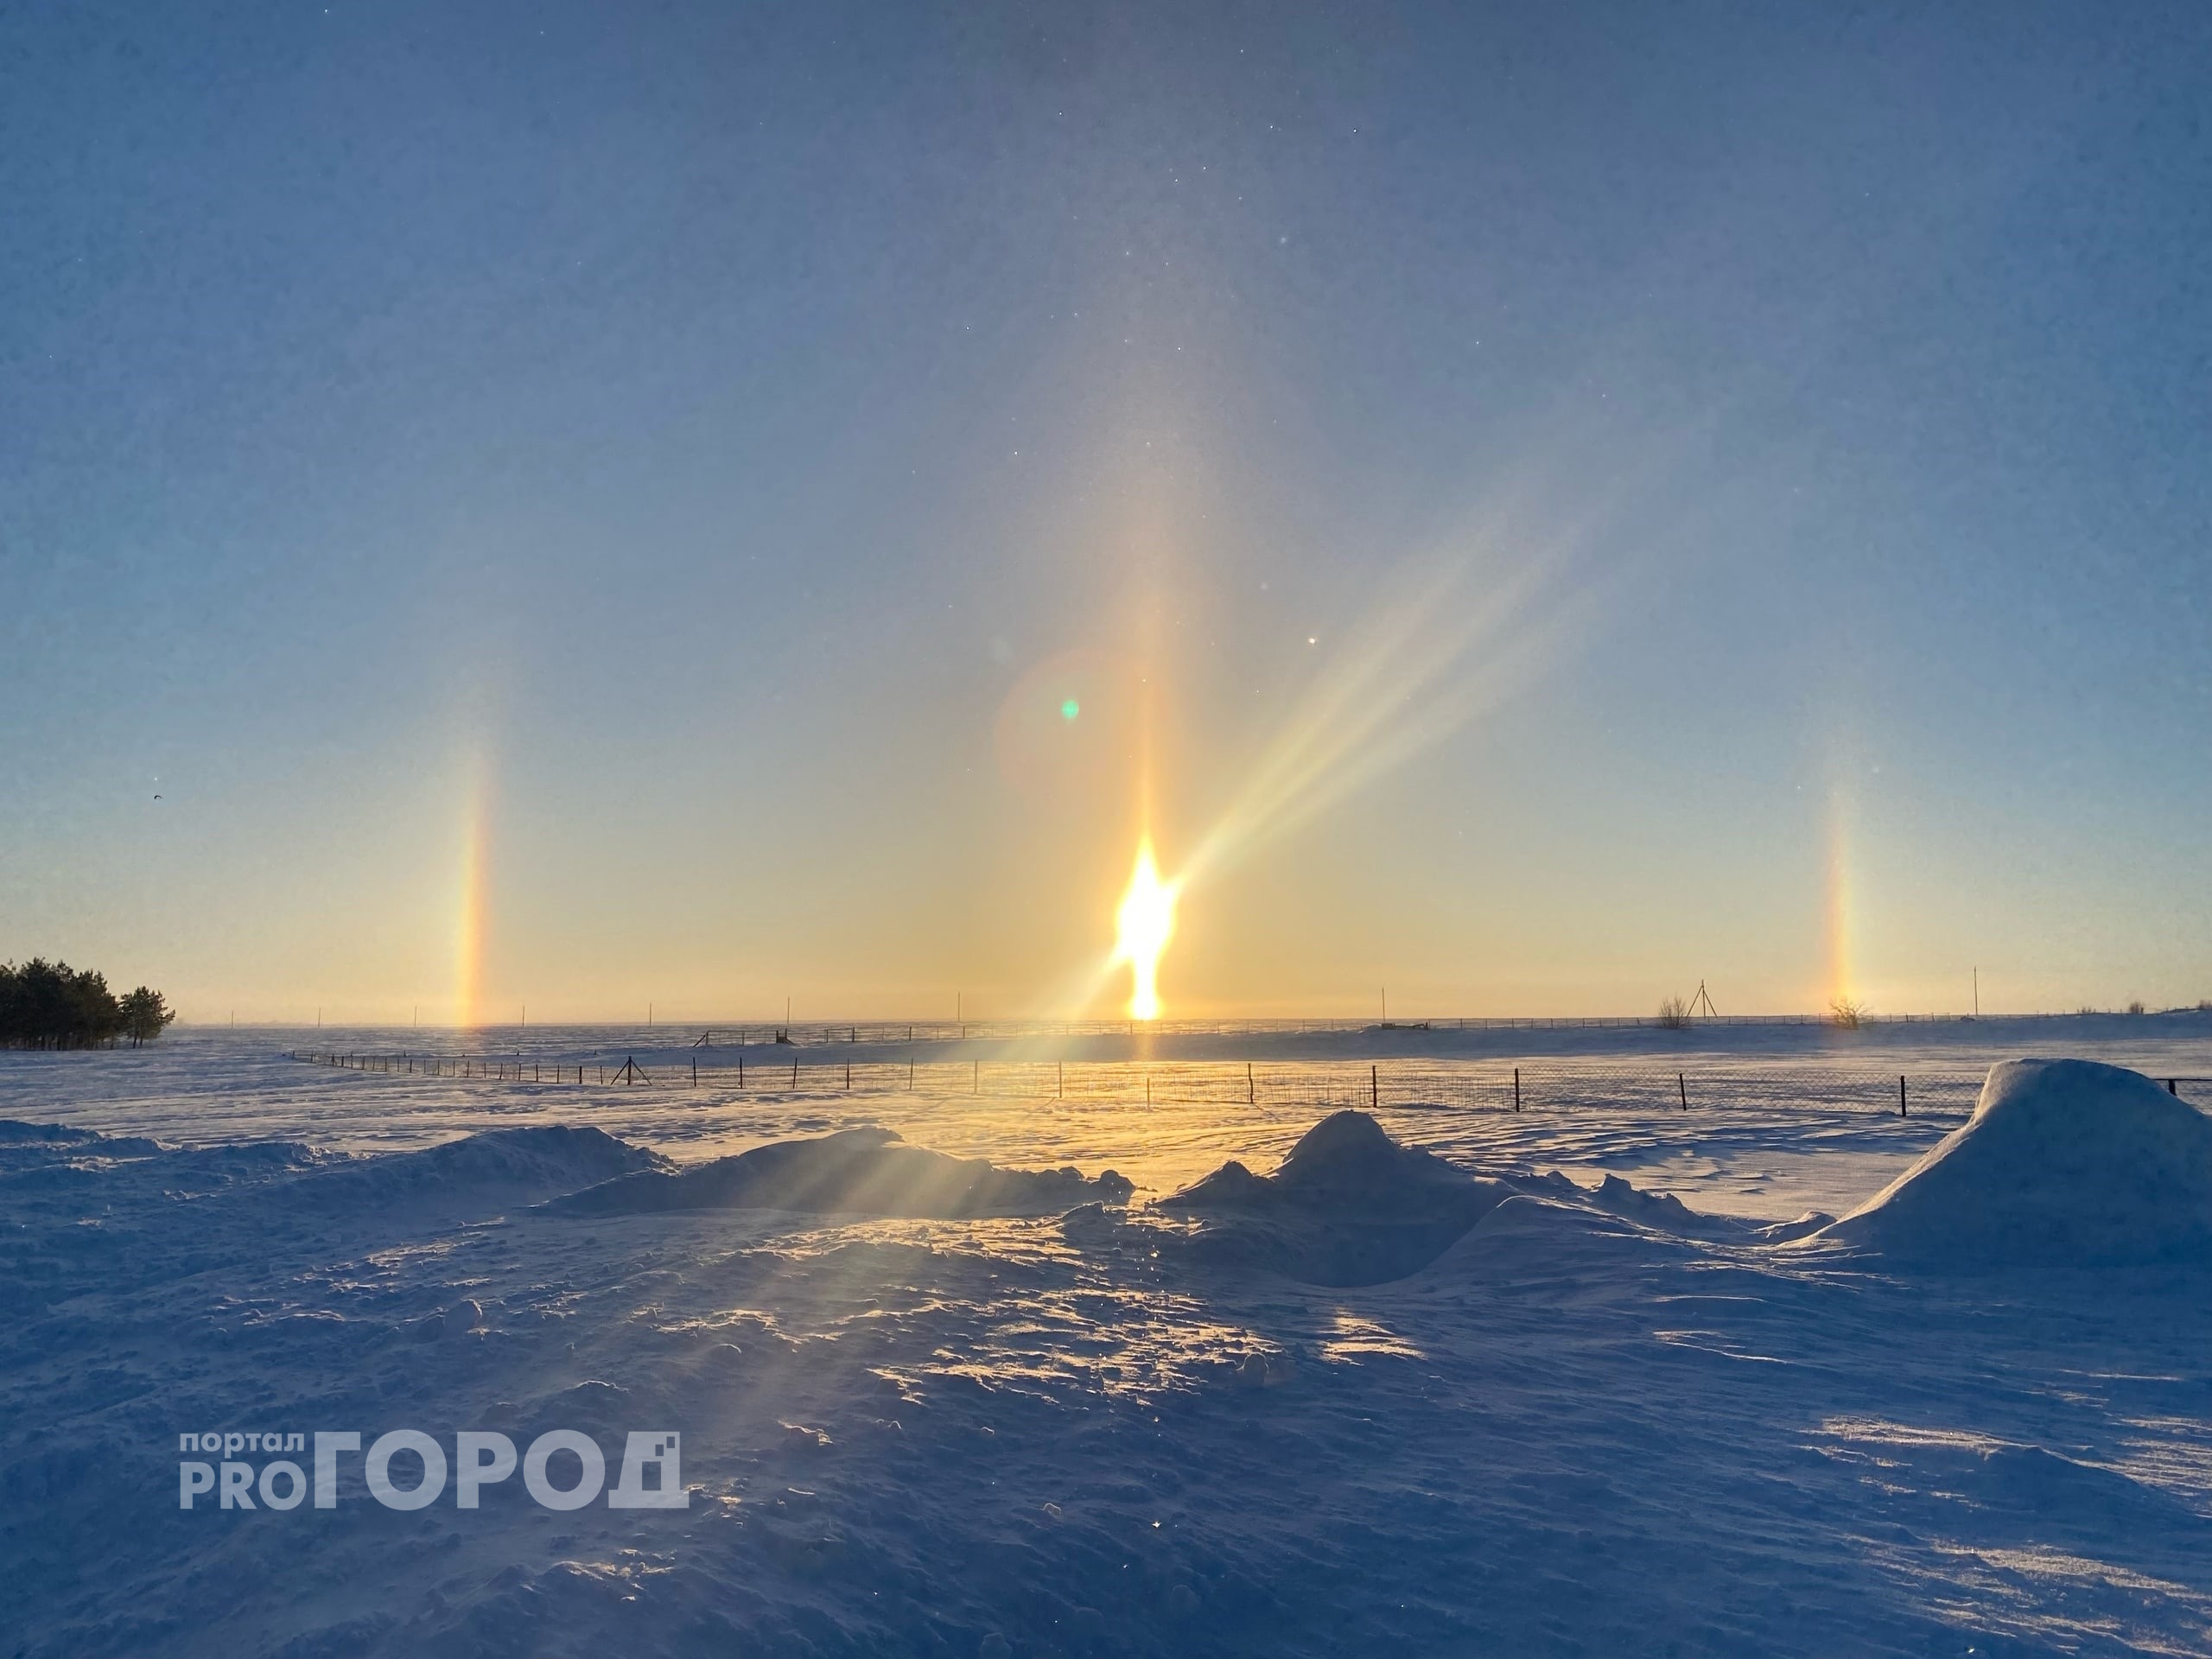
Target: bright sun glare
column 1144, row 923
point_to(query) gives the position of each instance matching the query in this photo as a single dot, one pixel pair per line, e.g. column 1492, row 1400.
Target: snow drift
column 866, row 1171
column 523, row 1165
column 31, row 1145
column 2063, row 1163
column 1348, row 1206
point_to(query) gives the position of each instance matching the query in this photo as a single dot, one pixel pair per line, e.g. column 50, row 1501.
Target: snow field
column 1597, row 1422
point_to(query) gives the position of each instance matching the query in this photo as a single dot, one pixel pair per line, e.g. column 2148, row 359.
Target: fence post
column 794, row 1074
column 1901, row 1111
column 2170, row 1082
column 849, row 1077
column 1516, row 1088
column 976, row 1079
column 1682, row 1090
column 694, row 1071
column 1374, row 1086
column 1251, row 1098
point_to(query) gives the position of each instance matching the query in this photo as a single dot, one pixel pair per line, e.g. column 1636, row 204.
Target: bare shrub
column 1846, row 1012
column 1674, row 1015
column 2136, row 1006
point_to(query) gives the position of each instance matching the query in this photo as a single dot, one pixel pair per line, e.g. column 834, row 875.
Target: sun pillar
column 468, row 920
column 1144, row 925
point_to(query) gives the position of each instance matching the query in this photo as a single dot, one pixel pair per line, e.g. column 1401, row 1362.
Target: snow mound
column 524, row 1163
column 864, row 1171
column 1351, row 1207
column 1346, row 1164
column 2063, row 1163
column 1348, row 1206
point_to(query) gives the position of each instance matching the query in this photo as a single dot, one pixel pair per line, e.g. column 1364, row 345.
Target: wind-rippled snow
column 1580, row 1430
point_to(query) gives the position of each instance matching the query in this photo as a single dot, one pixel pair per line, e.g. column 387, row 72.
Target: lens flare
column 1144, row 923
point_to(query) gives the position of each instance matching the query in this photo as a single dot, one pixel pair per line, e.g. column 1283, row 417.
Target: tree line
column 51, row 1005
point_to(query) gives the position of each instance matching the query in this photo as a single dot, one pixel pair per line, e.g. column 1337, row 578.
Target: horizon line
column 1200, row 1024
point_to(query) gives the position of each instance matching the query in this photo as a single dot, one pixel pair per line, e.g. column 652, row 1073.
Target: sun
column 1144, row 923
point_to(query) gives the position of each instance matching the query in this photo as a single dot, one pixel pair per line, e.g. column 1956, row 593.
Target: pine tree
column 145, row 1015
column 51, row 1005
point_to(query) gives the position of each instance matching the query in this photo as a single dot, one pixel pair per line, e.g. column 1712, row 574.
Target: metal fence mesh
column 1399, row 1084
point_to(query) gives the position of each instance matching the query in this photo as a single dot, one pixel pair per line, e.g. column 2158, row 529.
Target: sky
column 575, row 507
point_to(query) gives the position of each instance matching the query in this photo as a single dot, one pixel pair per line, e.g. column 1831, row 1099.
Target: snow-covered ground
column 1598, row 1422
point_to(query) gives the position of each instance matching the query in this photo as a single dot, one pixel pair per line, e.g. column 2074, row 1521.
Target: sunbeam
column 1451, row 645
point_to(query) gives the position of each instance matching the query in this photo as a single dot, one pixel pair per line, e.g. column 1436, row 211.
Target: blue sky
column 615, row 483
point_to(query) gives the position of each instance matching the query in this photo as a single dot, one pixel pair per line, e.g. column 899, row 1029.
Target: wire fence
column 1405, row 1084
